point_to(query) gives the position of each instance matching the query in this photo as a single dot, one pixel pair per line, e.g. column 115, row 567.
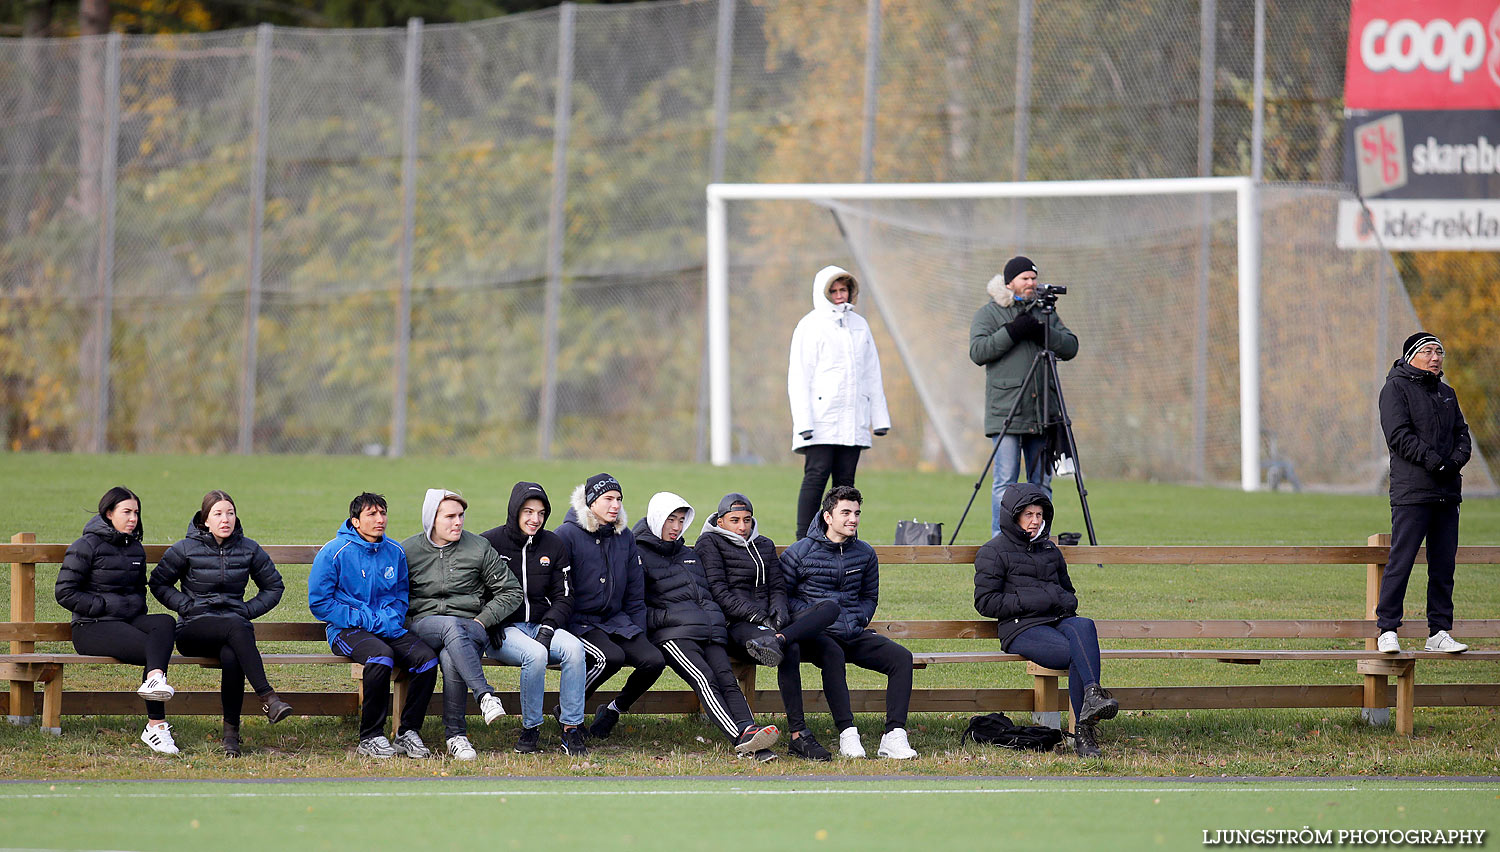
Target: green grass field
column 715, row 815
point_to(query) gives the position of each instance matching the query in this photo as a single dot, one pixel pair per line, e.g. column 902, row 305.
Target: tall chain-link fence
column 488, row 238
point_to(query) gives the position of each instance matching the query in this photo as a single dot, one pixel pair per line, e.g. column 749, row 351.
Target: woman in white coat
column 833, row 381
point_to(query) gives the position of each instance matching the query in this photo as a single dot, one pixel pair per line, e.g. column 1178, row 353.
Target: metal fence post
column 1207, row 66
column 723, row 61
column 1023, row 88
column 108, row 164
column 1258, row 114
column 872, row 79
column 263, row 33
column 412, row 85
column 562, row 115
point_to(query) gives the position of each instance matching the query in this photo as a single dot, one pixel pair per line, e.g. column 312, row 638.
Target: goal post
column 1248, row 254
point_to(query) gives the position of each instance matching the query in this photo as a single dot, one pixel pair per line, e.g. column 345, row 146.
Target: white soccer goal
column 937, row 396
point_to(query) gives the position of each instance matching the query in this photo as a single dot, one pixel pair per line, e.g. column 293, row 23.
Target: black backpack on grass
column 998, row 729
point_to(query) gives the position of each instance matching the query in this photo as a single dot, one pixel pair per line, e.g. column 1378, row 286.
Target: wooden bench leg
column 745, row 674
column 400, row 685
column 52, row 699
column 1044, row 694
column 1406, row 698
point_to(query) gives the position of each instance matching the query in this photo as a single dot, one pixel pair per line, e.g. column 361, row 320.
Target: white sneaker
column 895, row 746
column 1441, row 641
column 159, row 738
column 1388, row 643
column 491, row 707
column 460, row 748
column 156, row 688
column 849, row 745
column 410, row 744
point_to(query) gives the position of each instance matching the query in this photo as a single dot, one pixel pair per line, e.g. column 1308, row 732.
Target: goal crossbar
column 1247, row 220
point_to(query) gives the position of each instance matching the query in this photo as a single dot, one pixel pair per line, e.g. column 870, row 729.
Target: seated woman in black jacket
column 1021, row 579
column 214, row 563
column 683, row 620
column 102, row 581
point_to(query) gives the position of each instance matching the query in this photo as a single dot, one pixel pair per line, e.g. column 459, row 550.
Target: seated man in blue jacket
column 833, row 564
column 609, row 597
column 358, row 587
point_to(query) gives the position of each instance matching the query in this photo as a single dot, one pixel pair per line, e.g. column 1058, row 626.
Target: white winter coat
column 833, row 375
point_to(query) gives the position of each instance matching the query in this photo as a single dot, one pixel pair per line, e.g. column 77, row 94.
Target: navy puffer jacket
column 847, row 573
column 609, row 591
column 103, row 574
column 678, row 602
column 214, row 576
column 1020, row 581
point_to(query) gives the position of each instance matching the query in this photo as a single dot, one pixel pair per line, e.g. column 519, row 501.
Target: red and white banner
column 1423, row 54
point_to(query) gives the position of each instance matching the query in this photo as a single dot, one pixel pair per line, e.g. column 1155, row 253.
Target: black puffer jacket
column 214, row 576
column 103, row 574
column 847, row 573
column 540, row 562
column 744, row 576
column 1424, row 428
column 1021, row 582
column 678, row 602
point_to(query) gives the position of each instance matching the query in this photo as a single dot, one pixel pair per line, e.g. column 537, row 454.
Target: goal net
column 1216, row 347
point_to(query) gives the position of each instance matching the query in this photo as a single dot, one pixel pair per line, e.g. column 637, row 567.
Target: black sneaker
column 765, row 649
column 808, row 748
column 529, row 742
column 573, row 744
column 1086, row 740
column 604, row 723
column 1098, row 704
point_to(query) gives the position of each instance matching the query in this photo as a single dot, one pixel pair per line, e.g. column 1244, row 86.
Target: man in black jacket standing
column 1429, row 443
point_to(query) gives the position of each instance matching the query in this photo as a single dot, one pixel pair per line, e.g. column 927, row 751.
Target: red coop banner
column 1423, row 54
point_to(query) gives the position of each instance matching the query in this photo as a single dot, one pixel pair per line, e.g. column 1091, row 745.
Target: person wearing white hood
column 683, row 620
column 833, row 382
column 461, row 593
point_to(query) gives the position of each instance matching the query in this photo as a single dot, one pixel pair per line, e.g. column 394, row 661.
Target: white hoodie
column 833, row 375
column 663, row 504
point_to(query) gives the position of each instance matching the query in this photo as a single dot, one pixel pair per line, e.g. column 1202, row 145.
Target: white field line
column 732, row 791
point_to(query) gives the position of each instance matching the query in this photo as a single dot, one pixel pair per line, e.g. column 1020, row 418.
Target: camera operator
column 1004, row 338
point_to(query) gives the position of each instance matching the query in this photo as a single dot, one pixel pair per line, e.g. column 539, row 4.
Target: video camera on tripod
column 1046, row 296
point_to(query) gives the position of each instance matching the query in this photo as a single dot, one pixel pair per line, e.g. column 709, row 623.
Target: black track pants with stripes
column 379, row 655
column 608, row 653
column 706, row 668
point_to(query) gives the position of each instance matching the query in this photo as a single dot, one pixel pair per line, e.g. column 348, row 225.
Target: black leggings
column 145, row 640
column 608, row 653
column 232, row 641
column 705, row 667
column 380, row 655
column 821, row 462
column 868, row 650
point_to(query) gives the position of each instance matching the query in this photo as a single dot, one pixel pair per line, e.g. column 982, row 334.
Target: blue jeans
column 520, row 648
column 1008, row 470
column 459, row 642
column 1071, row 644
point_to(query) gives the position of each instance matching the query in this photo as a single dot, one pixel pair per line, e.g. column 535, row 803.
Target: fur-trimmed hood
column 578, row 513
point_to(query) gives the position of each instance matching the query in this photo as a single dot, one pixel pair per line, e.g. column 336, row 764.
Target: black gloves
column 807, row 436
column 1025, row 327
column 881, row 433
column 780, row 618
column 544, row 636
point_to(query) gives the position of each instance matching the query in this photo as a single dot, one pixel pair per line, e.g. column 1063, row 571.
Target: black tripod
column 1045, row 365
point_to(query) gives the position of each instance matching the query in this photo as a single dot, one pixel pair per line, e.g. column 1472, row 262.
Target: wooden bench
column 25, row 668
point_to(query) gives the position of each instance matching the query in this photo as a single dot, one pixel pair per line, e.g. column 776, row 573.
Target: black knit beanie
column 1016, row 265
column 598, row 485
column 1415, row 342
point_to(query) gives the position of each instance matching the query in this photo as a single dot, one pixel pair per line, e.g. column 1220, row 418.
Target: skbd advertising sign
column 1424, row 154
column 1423, row 55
